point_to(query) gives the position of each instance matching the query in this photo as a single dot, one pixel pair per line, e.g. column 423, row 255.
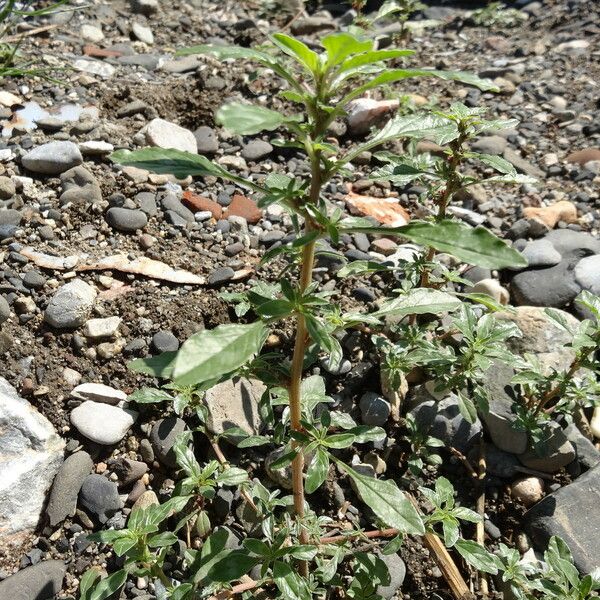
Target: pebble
column 4, row 310
column 147, row 499
column 66, row 486
column 143, row 33
column 38, row 582
column 374, row 409
column 95, row 148
column 165, row 134
column 221, row 275
column 256, row 150
column 587, row 274
column 244, row 207
column 98, row 392
column 492, row 288
column 206, row 140
column 71, row 305
column 163, row 435
column 53, row 158
column 490, row 144
column 101, row 328
column 541, row 253
column 91, row 33
column 102, row 423
column 126, row 219
column 7, row 188
column 528, row 491
column 100, row 497
column 165, row 341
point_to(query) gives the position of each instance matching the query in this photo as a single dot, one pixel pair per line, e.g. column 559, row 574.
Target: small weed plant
column 291, row 552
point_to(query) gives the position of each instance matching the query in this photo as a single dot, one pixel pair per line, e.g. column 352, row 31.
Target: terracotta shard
column 386, row 210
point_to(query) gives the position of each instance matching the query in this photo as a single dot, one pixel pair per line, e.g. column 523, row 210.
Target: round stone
column 165, row 341
column 587, row 274
column 53, row 158
column 164, row 134
column 71, row 305
column 102, row 423
column 126, row 219
column 529, row 491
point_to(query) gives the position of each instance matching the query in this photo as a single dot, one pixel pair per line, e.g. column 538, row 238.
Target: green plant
column 496, row 14
column 11, row 60
column 313, row 441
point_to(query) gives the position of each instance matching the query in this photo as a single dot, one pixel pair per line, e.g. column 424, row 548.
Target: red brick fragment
column 199, row 203
column 244, row 207
column 96, row 52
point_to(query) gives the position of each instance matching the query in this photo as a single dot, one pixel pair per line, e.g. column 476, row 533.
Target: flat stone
column 143, row 33
column 71, row 305
column 164, row 134
column 584, row 156
column 95, row 148
column 10, row 216
column 31, row 453
column 98, row 392
column 490, row 144
column 91, row 33
column 221, row 275
column 200, row 204
column 587, row 274
column 573, row 243
column 66, row 486
column 147, row 499
column 4, row 310
column 256, row 149
column 53, row 158
column 571, row 513
column 500, row 420
column 541, row 336
column 79, row 187
column 100, row 497
column 102, row 423
column 374, row 409
column 106, row 327
column 207, row 140
column 553, row 286
column 126, row 219
column 163, row 436
column 244, row 207
column 7, row 188
column 556, row 453
column 42, row 581
column 541, row 253
column 522, row 165
column 94, row 67
column 397, row 570
column 234, row 403
column 313, row 24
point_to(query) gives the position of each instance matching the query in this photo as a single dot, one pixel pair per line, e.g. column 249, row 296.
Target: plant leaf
column 248, row 119
column 317, row 470
column 157, row 366
column 386, row 500
column 212, row 353
column 109, row 585
column 298, row 50
column 477, row 556
column 419, row 301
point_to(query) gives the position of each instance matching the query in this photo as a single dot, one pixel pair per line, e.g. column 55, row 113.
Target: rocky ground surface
column 80, row 297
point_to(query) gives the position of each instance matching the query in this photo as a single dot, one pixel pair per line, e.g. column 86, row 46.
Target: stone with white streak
column 98, row 392
column 31, row 452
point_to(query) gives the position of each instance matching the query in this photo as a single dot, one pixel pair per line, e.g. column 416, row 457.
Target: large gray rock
column 100, row 497
column 541, row 336
column 71, row 305
column 42, row 581
column 102, row 423
column 163, row 436
column 587, row 453
column 442, row 419
column 234, row 403
column 572, row 513
column 587, row 274
column 53, row 158
column 573, row 243
column 500, row 419
column 31, row 453
column 66, row 486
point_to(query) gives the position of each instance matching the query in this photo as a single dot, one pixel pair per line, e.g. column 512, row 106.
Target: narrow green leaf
column 87, row 583
column 467, row 407
column 419, row 301
column 317, row 470
column 109, row 585
column 298, row 50
column 496, row 162
column 148, row 395
column 386, row 501
column 212, row 353
column 248, row 119
column 160, row 540
column 232, row 476
column 232, row 566
column 477, row 556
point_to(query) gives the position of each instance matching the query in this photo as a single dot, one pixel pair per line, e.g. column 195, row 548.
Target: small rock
column 91, row 33
column 4, row 310
column 53, row 158
column 101, row 328
column 550, row 215
column 585, row 156
column 490, row 144
column 147, row 499
column 38, row 582
column 143, row 33
column 7, row 188
column 100, row 497
column 79, row 187
column 207, row 140
column 528, row 491
column 397, row 570
column 314, row 24
column 492, row 288
column 365, row 113
column 146, row 7
column 129, row 471
column 587, row 454
column 555, row 453
column 164, row 134
column 95, row 148
column 256, row 149
column 162, row 437
column 221, row 275
column 165, row 341
column 522, row 165
column 98, row 392
column 541, row 253
column 71, row 305
column 244, row 207
column 587, row 274
column 200, row 204
column 126, row 219
column 374, row 409
column 102, row 423
column 66, row 486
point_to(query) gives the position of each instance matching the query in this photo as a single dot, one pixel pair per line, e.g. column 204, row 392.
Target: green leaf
column 359, row 267
column 212, row 353
column 248, row 119
column 178, row 163
column 419, row 301
column 182, row 592
column 298, row 50
column 477, row 556
column 108, row 586
column 275, row 309
column 157, row 366
column 386, row 501
column 317, row 471
column 496, row 162
column 467, row 407
column 160, row 540
column 232, row 566
column 232, row 476
column 147, row 395
column 476, row 246
column 289, row 583
column 87, row 582
column 373, row 57
column 340, row 46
